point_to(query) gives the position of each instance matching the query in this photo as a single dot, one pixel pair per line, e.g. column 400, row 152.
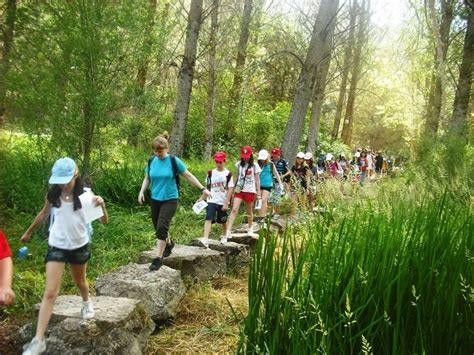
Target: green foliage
column 392, row 274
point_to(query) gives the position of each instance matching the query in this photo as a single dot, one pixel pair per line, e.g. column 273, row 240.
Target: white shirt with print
column 218, row 186
column 247, row 184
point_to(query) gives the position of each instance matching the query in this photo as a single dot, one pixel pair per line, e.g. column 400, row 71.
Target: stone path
column 131, row 298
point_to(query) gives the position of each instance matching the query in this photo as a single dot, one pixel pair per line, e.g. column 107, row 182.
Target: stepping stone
column 160, row 291
column 244, row 238
column 242, row 228
column 237, row 255
column 200, row 264
column 120, row 326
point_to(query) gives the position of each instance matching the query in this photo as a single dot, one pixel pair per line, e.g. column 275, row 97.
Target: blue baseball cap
column 62, row 171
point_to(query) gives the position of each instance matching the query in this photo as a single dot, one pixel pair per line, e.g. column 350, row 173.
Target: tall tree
column 185, row 78
column 211, row 89
column 241, row 54
column 144, row 58
column 440, row 34
column 345, row 69
column 458, row 126
column 320, row 86
column 326, row 14
column 7, row 31
column 356, row 70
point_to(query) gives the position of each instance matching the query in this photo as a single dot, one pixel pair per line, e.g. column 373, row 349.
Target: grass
column 205, row 323
column 392, row 274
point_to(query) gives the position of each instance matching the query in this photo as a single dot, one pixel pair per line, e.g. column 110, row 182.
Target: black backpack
column 174, row 166
column 209, row 175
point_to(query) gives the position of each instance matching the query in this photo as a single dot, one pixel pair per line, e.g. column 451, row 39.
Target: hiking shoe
column 223, row 239
column 168, row 248
column 34, row 347
column 87, row 311
column 203, row 242
column 156, row 264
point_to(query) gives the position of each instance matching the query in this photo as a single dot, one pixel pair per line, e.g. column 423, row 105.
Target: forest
column 389, row 270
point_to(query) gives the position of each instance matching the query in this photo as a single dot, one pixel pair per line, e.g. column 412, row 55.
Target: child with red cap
column 221, row 185
column 247, row 189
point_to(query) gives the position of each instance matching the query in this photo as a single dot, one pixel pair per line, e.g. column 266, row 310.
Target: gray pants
column 162, row 212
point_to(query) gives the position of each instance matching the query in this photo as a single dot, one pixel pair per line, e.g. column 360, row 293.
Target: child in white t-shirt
column 247, row 189
column 220, row 184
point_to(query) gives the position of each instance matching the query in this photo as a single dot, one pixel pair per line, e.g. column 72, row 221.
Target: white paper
column 258, row 204
column 199, row 206
column 90, row 210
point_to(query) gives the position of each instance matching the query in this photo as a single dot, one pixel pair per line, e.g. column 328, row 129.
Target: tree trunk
column 7, row 29
column 319, row 89
column 436, row 100
column 241, row 54
column 304, row 90
column 147, row 45
column 458, row 126
column 345, row 71
column 356, row 70
column 185, row 79
column 211, row 89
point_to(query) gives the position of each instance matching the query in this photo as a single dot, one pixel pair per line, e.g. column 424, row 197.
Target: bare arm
column 6, row 273
column 40, row 218
column 141, row 194
column 275, row 173
column 257, row 184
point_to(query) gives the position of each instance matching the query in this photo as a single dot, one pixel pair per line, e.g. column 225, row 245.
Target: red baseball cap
column 220, row 157
column 276, row 151
column 246, row 152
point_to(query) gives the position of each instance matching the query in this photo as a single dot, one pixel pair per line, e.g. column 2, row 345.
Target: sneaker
column 250, row 230
column 87, row 311
column 168, row 248
column 156, row 264
column 223, row 239
column 204, row 242
column 34, row 347
column 276, row 216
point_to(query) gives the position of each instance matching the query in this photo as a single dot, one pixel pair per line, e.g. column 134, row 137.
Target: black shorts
column 214, row 213
column 77, row 256
column 266, row 188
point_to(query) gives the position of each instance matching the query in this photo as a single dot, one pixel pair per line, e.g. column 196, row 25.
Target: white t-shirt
column 247, row 183
column 69, row 229
column 218, row 186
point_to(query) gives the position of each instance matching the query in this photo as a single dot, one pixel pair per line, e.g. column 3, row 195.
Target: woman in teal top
column 163, row 171
column 267, row 175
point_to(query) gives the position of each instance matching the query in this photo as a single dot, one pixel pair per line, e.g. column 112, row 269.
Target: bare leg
column 160, row 247
column 79, row 277
column 249, row 207
column 207, row 228
column 263, row 210
column 54, row 273
column 233, row 213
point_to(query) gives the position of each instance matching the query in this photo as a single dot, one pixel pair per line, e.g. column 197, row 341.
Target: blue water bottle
column 22, row 253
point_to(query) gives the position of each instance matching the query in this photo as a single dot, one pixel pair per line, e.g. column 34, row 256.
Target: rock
column 160, row 291
column 244, row 238
column 237, row 255
column 200, row 264
column 242, row 228
column 120, row 326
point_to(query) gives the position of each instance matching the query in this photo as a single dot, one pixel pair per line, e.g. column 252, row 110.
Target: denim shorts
column 214, row 213
column 77, row 256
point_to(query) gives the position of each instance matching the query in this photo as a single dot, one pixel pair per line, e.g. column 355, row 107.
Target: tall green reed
column 393, row 277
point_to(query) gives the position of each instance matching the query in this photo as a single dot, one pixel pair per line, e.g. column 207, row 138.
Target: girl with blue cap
column 69, row 237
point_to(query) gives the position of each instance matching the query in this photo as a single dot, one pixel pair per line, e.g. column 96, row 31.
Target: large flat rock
column 200, row 264
column 160, row 291
column 242, row 228
column 120, row 326
column 237, row 255
column 244, row 238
